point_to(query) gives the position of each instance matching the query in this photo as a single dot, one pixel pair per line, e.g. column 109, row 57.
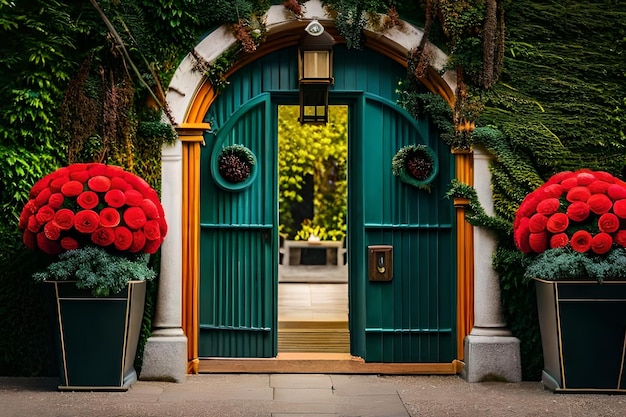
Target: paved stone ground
column 282, row 395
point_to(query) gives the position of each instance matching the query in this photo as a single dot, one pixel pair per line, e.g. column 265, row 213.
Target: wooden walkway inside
column 313, row 309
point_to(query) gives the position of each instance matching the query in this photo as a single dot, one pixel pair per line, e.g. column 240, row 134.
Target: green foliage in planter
column 97, row 270
column 567, row 264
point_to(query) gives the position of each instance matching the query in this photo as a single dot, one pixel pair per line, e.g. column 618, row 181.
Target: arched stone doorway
column 189, row 97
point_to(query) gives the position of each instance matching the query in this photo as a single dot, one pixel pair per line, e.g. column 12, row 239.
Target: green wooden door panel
column 238, row 260
column 411, row 318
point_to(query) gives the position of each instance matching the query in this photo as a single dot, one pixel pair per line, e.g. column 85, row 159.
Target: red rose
column 80, row 176
column 578, row 194
column 109, row 217
column 52, row 231
column 549, row 206
column 581, row 241
column 27, row 211
column 86, row 221
column 118, row 183
column 578, row 211
column 559, row 240
column 137, row 182
column 151, row 246
column 42, row 197
column 619, row 208
column 599, row 203
column 521, row 234
column 103, row 236
column 585, row 177
column 537, row 223
column 77, row 167
column 139, row 241
column 162, row 226
column 538, row 241
column 608, row 223
column 56, row 201
column 557, row 223
column 123, row 238
column 152, row 195
column 552, row 191
column 115, row 198
column 30, row 240
column 113, row 171
column 569, row 183
column 58, row 182
column 151, row 230
column 526, row 209
column 64, row 219
column 616, row 191
column 150, row 209
column 33, row 225
column 134, row 217
column 48, row 246
column 45, row 214
column 99, row 184
column 69, row 243
column 604, row 176
column 40, row 185
column 88, row 200
column 72, row 188
column 598, row 187
column 133, row 197
column 620, row 238
column 559, row 177
column 96, row 169
column 601, row 243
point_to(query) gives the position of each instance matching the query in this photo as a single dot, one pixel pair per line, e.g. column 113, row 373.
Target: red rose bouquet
column 93, row 204
column 574, row 226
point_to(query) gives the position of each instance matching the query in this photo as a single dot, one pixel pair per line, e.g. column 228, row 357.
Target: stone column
column 491, row 352
column 165, row 354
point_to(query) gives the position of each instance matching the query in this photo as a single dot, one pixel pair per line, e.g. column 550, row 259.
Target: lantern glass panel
column 316, row 64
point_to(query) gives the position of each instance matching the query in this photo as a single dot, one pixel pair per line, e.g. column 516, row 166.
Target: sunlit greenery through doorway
column 312, row 175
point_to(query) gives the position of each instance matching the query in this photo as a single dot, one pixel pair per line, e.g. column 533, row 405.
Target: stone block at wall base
column 492, row 358
column 165, row 359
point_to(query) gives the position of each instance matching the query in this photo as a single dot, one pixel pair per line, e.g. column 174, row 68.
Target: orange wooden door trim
column 465, row 255
column 191, row 136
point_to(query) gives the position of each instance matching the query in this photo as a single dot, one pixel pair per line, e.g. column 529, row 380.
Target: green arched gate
column 409, row 319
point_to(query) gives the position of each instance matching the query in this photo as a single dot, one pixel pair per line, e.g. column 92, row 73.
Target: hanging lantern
column 315, row 60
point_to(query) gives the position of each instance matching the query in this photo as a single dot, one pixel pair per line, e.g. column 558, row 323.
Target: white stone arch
column 165, row 355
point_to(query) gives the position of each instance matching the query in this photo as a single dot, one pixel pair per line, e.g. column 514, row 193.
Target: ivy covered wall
column 559, row 105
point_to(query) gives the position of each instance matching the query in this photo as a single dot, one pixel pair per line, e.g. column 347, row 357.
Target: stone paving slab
column 263, row 395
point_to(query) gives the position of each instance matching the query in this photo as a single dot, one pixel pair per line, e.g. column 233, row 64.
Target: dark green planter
column 97, row 336
column 583, row 335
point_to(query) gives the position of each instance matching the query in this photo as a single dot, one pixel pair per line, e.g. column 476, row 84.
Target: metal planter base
column 97, row 336
column 583, row 335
